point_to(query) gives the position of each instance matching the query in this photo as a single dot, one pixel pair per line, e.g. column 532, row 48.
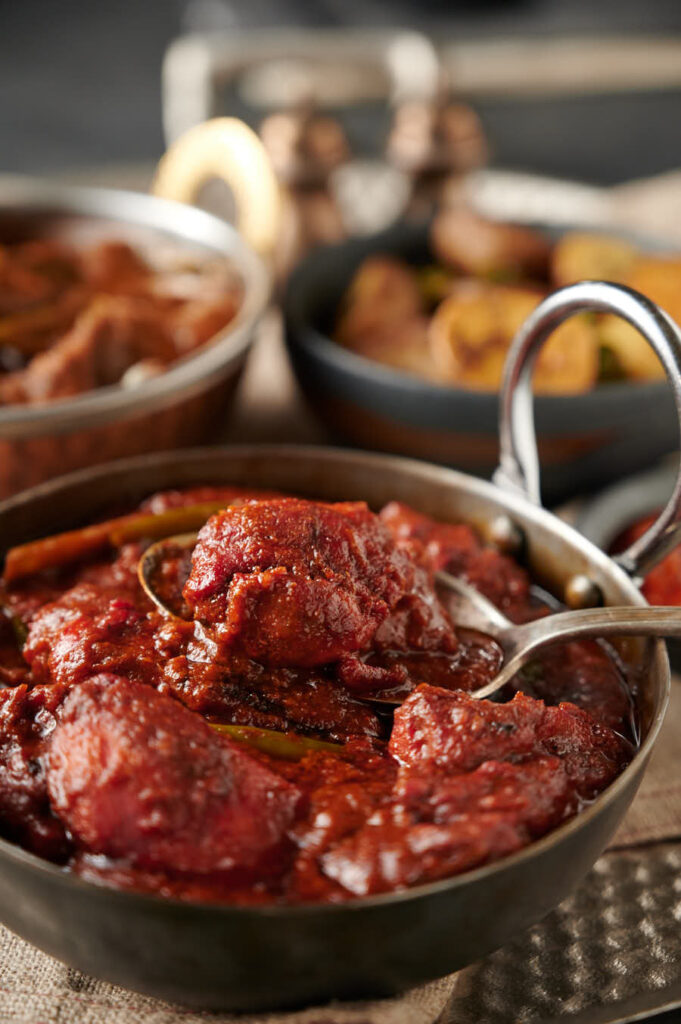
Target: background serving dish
column 608, row 514
column 178, row 407
column 604, row 518
column 585, row 439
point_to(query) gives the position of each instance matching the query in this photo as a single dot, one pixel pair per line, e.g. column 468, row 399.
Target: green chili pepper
column 285, row 746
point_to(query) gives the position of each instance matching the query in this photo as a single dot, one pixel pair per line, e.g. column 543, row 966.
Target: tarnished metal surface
column 610, row 952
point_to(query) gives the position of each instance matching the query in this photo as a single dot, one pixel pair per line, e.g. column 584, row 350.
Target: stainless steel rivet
column 582, row 592
column 506, row 536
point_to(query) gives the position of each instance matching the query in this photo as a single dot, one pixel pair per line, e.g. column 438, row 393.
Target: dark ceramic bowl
column 584, row 440
column 257, row 958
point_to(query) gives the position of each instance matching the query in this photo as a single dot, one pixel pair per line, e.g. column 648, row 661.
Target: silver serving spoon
column 469, row 609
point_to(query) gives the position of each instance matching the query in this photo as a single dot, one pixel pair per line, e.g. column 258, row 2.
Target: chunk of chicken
column 293, row 582
column 109, row 337
column 136, row 775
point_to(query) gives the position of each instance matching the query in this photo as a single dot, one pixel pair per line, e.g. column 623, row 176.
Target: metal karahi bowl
column 257, row 958
column 585, row 440
column 181, row 406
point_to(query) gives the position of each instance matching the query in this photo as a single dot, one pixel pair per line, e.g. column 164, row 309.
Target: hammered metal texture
column 609, row 952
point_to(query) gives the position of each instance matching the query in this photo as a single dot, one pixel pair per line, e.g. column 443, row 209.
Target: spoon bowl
column 150, row 560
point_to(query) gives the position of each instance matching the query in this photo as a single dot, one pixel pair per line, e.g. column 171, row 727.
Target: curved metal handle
column 227, row 149
column 519, row 465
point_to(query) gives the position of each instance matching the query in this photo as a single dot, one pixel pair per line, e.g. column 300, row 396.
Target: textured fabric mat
column 610, row 951
column 35, row 989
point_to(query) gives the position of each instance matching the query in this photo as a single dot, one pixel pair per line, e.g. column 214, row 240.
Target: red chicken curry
column 75, row 319
column 231, row 751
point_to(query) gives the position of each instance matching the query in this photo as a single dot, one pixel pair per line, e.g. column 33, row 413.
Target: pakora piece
column 383, row 294
column 471, row 332
column 581, row 256
column 469, row 243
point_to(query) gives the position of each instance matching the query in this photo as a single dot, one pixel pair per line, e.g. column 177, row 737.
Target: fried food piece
column 403, row 346
column 658, row 279
column 632, row 352
column 294, row 582
column 582, row 256
column 383, row 294
column 569, row 361
column 472, row 330
column 136, row 775
column 435, row 283
column 473, row 245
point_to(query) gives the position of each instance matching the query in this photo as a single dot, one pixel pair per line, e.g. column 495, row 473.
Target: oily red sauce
column 117, row 759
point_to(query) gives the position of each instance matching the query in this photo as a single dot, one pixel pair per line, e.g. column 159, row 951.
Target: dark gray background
column 80, row 79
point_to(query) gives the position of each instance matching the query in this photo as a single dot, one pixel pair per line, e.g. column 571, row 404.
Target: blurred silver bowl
column 179, row 407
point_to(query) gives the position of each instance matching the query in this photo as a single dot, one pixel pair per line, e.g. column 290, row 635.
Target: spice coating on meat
column 477, row 781
column 443, row 826
column 443, row 731
column 292, row 582
column 136, row 775
column 456, row 548
column 27, row 717
column 88, row 630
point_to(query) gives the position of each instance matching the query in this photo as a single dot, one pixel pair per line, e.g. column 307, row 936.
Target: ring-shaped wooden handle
column 227, row 149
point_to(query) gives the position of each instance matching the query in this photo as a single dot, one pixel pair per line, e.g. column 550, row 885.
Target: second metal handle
column 519, row 465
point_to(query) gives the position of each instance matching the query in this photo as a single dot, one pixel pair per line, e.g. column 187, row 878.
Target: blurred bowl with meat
column 620, row 514
column 399, row 341
column 125, row 322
